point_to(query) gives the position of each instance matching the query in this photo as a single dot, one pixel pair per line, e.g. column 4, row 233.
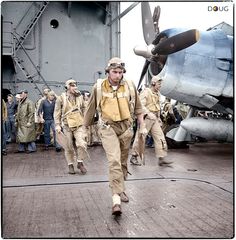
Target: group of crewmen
column 24, row 122
column 116, row 103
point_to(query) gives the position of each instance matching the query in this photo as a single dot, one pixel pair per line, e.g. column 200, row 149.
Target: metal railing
column 27, row 74
column 28, row 21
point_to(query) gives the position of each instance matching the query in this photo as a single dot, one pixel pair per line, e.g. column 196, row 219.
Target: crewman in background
column 68, row 116
column 150, row 99
column 25, row 124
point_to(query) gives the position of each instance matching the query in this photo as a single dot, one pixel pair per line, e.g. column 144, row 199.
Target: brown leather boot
column 163, row 162
column 134, row 160
column 116, row 210
column 124, row 197
column 81, row 167
column 71, row 169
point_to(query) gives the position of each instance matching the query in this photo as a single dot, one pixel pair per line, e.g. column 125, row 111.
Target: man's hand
column 42, row 120
column 58, row 129
column 28, row 124
column 151, row 116
column 142, row 129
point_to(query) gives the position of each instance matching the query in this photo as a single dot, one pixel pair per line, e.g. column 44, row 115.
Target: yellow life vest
column 153, row 101
column 115, row 105
column 72, row 111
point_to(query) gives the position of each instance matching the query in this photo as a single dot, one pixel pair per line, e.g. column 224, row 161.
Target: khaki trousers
column 116, row 146
column 153, row 126
column 77, row 144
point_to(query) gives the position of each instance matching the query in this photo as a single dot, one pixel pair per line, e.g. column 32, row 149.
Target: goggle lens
column 116, row 65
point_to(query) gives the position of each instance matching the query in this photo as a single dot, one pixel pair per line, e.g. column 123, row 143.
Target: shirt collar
column 122, row 82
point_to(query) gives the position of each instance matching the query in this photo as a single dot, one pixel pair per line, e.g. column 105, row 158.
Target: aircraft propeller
column 150, row 29
column 176, row 43
column 158, row 44
column 147, row 23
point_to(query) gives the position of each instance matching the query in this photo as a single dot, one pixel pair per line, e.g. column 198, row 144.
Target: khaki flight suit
column 151, row 104
column 115, row 127
column 68, row 113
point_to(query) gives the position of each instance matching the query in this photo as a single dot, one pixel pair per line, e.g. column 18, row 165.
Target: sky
column 173, row 15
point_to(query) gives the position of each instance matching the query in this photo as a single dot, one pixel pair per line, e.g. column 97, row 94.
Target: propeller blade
column 176, row 43
column 156, row 16
column 147, row 22
column 145, row 68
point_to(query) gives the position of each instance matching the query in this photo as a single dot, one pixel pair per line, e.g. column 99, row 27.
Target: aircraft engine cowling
column 210, row 129
column 201, row 75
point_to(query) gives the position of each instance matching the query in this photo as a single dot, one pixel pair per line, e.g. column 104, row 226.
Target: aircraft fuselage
column 201, row 75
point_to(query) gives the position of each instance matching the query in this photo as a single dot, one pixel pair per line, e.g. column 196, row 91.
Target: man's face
column 9, row 98
column 157, row 86
column 115, row 75
column 73, row 88
column 46, row 91
column 23, row 95
column 51, row 97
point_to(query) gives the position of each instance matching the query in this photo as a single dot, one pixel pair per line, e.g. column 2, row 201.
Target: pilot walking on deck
column 68, row 116
column 150, row 99
column 117, row 101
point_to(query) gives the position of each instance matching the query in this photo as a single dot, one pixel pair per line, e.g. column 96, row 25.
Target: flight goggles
column 116, row 65
column 73, row 84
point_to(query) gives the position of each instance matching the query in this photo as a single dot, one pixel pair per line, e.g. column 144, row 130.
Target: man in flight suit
column 117, row 101
column 150, row 99
column 68, row 115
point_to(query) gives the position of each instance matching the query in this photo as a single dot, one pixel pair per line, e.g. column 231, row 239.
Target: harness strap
column 77, row 106
column 156, row 103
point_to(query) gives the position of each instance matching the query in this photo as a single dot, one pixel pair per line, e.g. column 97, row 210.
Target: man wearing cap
column 46, row 111
column 25, row 124
column 150, row 99
column 10, row 123
column 68, row 116
column 116, row 100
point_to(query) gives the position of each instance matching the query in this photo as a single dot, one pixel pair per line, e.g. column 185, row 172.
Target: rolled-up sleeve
column 138, row 109
column 143, row 99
